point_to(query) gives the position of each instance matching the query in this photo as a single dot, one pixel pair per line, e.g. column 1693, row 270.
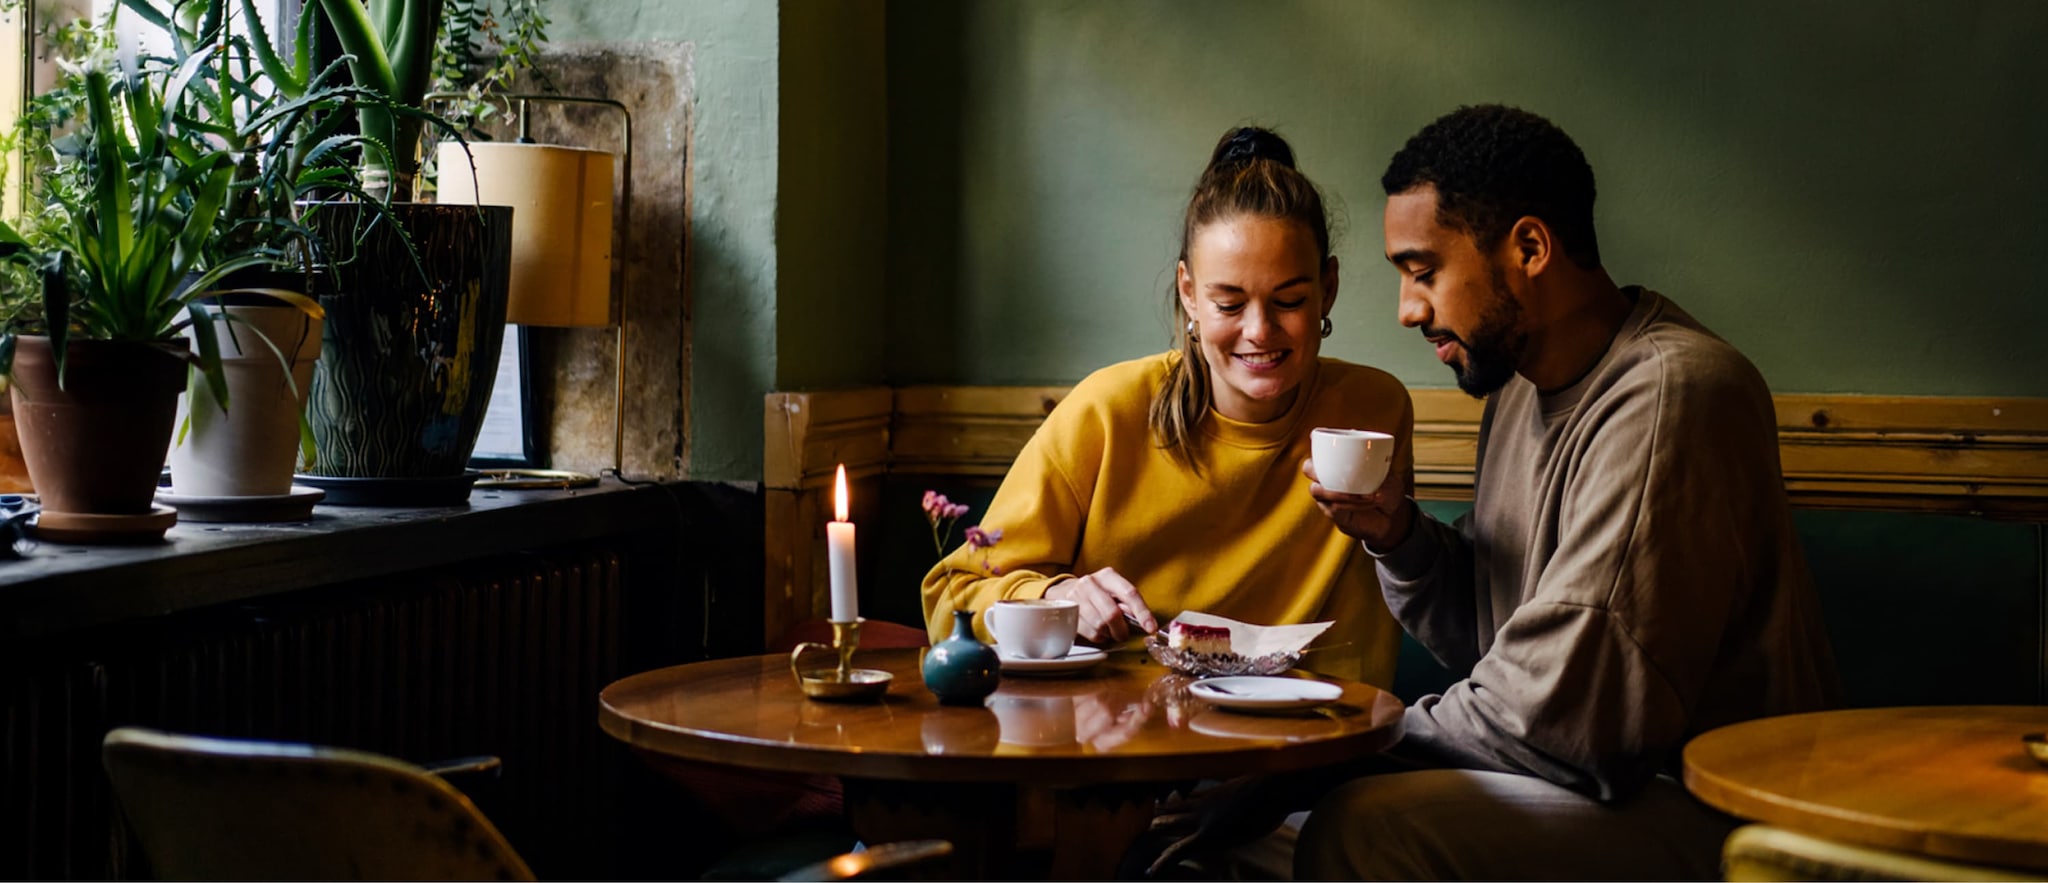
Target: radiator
column 502, row 657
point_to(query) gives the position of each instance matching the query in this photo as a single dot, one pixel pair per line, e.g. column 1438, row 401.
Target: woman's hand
column 1382, row 518
column 1105, row 598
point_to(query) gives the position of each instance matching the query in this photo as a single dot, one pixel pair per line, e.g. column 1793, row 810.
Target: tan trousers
column 1472, row 825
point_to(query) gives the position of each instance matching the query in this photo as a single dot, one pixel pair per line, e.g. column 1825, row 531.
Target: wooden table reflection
column 1067, row 767
column 1952, row 782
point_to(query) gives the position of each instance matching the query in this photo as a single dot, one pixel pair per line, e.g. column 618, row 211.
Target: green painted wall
column 1850, row 191
column 834, row 190
column 732, row 206
column 1855, row 193
column 788, row 191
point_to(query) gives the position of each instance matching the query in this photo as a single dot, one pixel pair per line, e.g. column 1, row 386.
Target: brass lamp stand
column 525, row 479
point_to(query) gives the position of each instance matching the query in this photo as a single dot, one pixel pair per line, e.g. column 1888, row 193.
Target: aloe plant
column 390, row 50
column 400, row 47
column 277, row 113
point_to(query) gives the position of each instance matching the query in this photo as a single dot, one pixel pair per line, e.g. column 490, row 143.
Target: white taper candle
column 839, row 545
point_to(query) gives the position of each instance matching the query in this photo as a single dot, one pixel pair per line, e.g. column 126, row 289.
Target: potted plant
column 417, row 317
column 123, row 258
column 280, row 120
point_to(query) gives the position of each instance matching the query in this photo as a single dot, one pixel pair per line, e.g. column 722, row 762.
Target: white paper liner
column 1256, row 649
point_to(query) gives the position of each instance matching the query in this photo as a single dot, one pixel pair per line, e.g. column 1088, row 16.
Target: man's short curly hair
column 1493, row 165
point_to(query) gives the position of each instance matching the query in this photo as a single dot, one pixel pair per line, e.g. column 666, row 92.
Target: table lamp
column 563, row 275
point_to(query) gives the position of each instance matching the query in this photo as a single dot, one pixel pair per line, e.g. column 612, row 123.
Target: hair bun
column 1247, row 143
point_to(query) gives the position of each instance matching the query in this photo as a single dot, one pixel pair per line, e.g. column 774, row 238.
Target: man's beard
column 1495, row 347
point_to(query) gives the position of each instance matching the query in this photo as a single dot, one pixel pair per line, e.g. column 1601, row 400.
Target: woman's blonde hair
column 1251, row 172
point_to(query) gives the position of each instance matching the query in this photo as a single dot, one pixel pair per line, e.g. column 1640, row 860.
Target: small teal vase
column 960, row 669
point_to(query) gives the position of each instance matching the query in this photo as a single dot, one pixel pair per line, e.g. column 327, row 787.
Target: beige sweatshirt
column 1628, row 577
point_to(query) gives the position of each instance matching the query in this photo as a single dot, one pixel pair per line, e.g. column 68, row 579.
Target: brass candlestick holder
column 844, row 683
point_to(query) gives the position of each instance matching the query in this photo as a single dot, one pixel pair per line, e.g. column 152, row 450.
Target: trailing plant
column 483, row 46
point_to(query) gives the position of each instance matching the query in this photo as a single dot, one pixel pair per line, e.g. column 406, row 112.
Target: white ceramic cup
column 1036, row 628
column 1351, row 461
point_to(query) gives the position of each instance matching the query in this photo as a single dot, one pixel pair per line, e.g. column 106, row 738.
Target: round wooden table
column 1954, row 782
column 1068, row 765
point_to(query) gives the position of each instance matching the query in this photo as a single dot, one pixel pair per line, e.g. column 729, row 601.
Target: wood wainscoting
column 1964, row 456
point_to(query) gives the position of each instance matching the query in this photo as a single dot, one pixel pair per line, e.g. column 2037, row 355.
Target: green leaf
column 182, row 79
column 302, row 48
column 209, row 354
column 57, row 308
column 116, row 226
column 207, row 199
column 307, row 449
column 149, row 13
column 290, row 81
column 358, row 37
column 215, row 13
column 12, row 245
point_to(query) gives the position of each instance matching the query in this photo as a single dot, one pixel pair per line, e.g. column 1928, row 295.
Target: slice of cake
column 1198, row 638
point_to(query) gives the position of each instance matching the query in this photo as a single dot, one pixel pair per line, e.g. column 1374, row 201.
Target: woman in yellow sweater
column 1174, row 482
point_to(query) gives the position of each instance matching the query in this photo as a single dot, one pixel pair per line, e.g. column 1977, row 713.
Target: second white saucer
column 1076, row 659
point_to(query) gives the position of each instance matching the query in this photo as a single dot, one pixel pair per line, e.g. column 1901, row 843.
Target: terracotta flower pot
column 97, row 445
column 13, row 469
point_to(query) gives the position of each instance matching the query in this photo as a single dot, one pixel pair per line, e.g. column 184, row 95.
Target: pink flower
column 941, row 512
column 977, row 538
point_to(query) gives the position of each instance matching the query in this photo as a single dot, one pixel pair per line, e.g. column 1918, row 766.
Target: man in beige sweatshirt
column 1629, row 575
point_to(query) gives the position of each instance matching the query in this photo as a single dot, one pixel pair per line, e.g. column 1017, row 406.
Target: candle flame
column 839, row 494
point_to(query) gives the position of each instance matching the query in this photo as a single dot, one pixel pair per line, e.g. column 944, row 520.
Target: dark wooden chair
column 226, row 809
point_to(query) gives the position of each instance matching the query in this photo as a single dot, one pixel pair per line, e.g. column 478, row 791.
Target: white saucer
column 296, row 505
column 1257, row 694
column 1076, row 659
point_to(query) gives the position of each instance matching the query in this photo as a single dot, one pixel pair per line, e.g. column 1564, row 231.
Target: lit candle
column 839, row 542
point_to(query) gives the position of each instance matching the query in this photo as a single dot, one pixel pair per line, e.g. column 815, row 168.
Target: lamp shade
column 561, row 200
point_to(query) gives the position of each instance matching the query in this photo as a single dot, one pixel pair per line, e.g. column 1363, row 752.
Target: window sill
column 60, row 587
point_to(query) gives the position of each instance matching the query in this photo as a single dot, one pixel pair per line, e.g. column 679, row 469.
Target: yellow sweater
column 1242, row 538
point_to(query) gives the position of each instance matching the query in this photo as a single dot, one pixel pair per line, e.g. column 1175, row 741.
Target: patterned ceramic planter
column 406, row 362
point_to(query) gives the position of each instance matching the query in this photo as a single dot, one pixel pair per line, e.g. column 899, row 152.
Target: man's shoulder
column 1677, row 353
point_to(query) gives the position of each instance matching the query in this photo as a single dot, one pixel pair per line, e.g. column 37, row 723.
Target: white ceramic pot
column 250, row 449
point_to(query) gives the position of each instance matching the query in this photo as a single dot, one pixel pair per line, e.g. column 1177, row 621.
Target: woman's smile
column 1261, row 362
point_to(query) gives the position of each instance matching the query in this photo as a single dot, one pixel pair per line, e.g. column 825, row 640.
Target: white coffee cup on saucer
column 1034, row 628
column 1351, row 461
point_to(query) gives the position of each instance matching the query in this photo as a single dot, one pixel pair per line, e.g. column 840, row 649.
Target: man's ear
column 1533, row 245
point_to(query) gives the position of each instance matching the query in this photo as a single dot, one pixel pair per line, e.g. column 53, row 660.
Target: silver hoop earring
column 1191, row 330
column 1327, row 327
